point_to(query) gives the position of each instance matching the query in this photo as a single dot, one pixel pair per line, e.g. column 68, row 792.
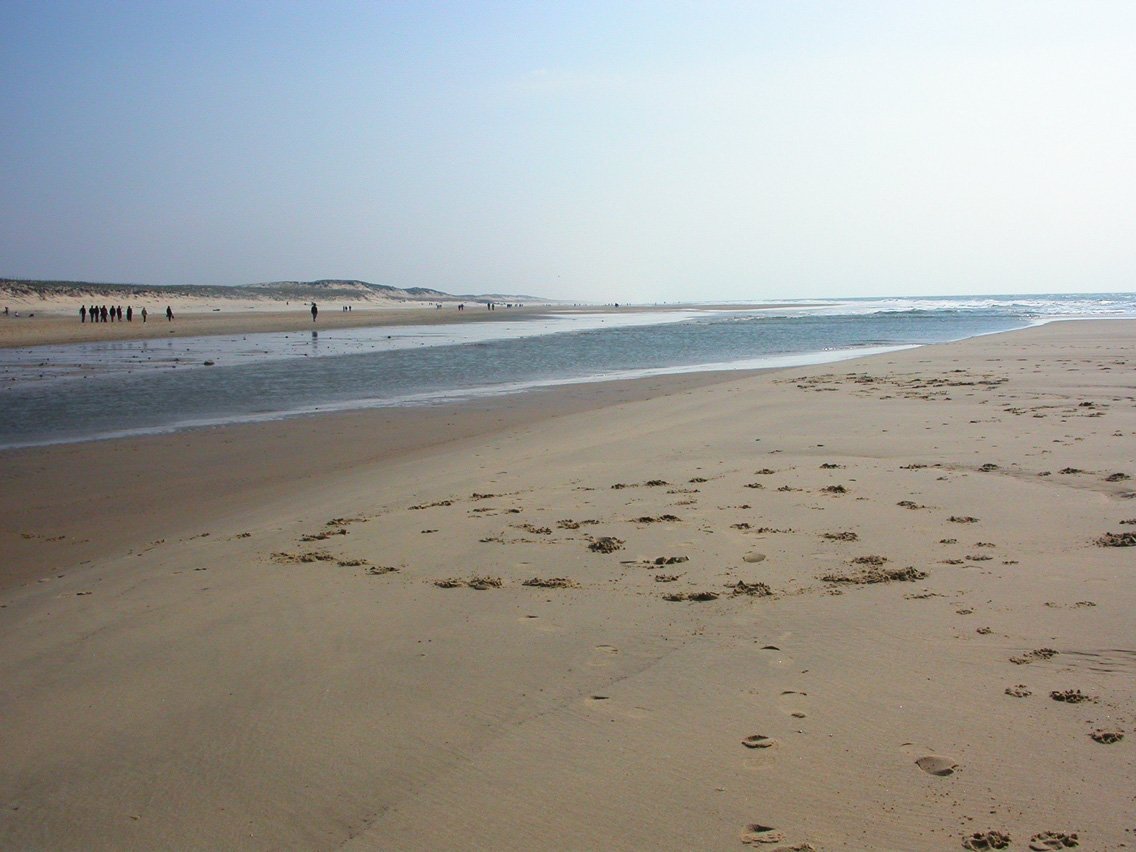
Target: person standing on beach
column 143, row 315
column 130, row 313
column 169, row 314
column 315, row 311
column 82, row 313
column 103, row 313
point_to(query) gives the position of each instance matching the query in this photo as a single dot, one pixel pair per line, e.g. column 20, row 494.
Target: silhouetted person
column 169, row 314
column 130, row 313
column 143, row 315
column 103, row 313
column 315, row 311
column 82, row 313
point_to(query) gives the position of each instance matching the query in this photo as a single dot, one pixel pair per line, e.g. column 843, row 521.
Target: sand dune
column 885, row 604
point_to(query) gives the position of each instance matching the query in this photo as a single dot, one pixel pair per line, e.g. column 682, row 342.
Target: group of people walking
column 104, row 314
column 101, row 313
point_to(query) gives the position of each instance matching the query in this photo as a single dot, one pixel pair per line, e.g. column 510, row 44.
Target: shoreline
column 53, row 329
column 59, row 326
column 58, row 490
column 78, row 468
column 667, row 607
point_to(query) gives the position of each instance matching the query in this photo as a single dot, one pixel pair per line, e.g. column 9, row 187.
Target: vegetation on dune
column 281, row 291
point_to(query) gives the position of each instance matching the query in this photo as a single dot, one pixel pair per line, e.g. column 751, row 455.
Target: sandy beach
column 59, row 326
column 881, row 604
column 55, row 319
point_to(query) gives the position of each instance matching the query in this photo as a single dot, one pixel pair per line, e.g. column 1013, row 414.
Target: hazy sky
column 606, row 151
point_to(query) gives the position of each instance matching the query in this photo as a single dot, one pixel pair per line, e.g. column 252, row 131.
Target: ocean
column 57, row 394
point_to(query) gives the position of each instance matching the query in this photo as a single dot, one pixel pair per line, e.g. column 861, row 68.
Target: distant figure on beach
column 82, row 313
column 143, row 315
column 315, row 311
column 118, row 311
column 103, row 313
column 130, row 313
column 169, row 314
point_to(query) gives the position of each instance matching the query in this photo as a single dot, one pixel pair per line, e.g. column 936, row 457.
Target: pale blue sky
column 604, row 151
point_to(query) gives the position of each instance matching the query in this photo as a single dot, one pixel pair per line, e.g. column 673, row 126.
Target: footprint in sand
column 604, row 702
column 930, row 762
column 937, row 764
column 756, row 833
column 602, row 656
column 777, row 658
column 759, row 761
column 793, row 703
column 764, row 751
column 759, row 741
column 541, row 624
column 1053, row 840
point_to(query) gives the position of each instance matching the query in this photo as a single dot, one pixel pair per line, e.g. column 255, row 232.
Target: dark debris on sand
column 986, row 840
column 606, row 544
column 878, row 575
column 1107, row 737
column 691, row 596
column 1070, row 696
column 1122, row 539
column 1033, row 656
column 379, row 570
column 475, row 582
column 551, row 583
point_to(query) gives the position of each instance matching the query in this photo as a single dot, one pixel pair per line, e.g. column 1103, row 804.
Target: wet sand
column 881, row 604
column 57, row 321
column 70, row 503
column 54, row 328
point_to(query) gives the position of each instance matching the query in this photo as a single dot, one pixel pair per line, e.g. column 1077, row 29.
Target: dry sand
column 871, row 564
